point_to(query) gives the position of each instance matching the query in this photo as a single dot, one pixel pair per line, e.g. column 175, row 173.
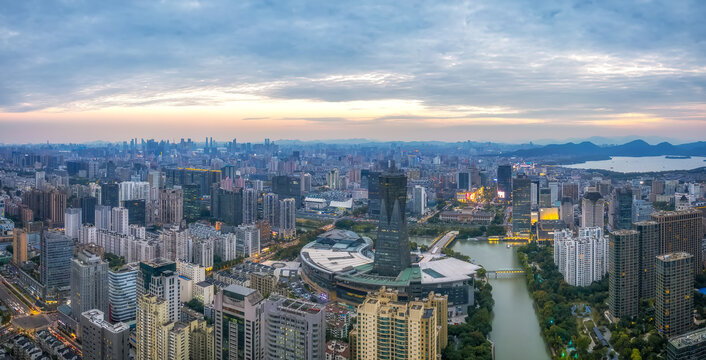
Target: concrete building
column 648, row 239
column 270, row 208
column 238, row 324
column 119, row 221
column 583, row 259
column 287, row 223
column 103, row 217
column 294, row 329
column 101, row 340
column 249, row 206
column 247, row 241
column 151, row 315
column 674, row 302
column 592, row 210
column 171, row 206
column 420, row 200
column 391, row 328
column 690, row 346
column 19, row 245
column 72, row 222
column 160, row 278
column 623, row 288
column 681, row 231
column 201, row 339
column 89, row 284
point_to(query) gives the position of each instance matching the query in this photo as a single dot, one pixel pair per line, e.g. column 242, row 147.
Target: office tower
column 306, row 182
column 103, row 216
column 390, row 328
column 201, row 340
column 122, row 293
column 119, row 223
column 287, row 222
column 620, row 209
column 151, row 315
column 521, row 206
column 238, row 323
column 463, row 181
column 333, row 179
column 154, row 178
column 160, row 278
column 88, row 209
column 545, row 198
column 681, row 231
column 249, row 206
column 287, row 187
column 674, row 302
column 624, row 277
column 247, row 240
column 204, row 178
column 657, row 187
column 420, row 200
column 641, row 210
column 374, row 195
column 101, row 340
column 56, row 251
column 690, row 346
column 57, row 207
column 89, row 283
column 202, row 252
column 583, row 259
column 592, row 210
column 505, row 182
column 227, row 205
column 137, row 212
column 192, row 202
column 566, row 212
column 110, row 195
column 649, row 248
column 270, row 208
column 175, row 244
column 534, row 194
column 171, row 206
column 294, row 329
column 39, row 179
column 392, row 243
column 19, row 245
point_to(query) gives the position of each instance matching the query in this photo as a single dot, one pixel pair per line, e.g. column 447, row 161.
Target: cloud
column 428, row 63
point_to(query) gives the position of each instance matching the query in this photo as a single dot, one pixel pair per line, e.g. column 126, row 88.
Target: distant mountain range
column 584, row 151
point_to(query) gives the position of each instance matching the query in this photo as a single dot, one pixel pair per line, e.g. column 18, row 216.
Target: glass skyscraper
column 392, row 244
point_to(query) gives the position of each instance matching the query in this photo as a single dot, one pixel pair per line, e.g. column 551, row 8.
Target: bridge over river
column 505, row 273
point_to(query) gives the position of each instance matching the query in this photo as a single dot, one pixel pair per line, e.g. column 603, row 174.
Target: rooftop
column 689, row 339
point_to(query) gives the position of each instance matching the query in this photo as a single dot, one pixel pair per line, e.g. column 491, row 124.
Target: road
column 16, row 306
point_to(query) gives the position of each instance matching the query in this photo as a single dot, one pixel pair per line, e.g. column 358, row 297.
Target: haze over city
column 77, row 71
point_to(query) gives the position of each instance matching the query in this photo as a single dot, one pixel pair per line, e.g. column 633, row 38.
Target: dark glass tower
column 136, row 210
column 192, row 202
column 522, row 206
column 620, row 209
column 374, row 195
column 110, row 195
column 392, row 244
column 505, row 181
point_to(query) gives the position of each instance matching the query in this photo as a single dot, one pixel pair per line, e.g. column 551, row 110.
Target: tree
column 635, row 355
column 582, row 344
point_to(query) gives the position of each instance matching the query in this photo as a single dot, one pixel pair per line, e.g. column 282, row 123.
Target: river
column 516, row 331
column 625, row 164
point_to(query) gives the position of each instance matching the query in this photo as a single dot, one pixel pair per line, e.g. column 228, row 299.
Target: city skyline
column 455, row 71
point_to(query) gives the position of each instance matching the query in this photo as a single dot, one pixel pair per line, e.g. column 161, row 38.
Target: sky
column 502, row 71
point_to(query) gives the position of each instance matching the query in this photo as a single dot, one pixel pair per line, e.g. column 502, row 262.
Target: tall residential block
column 623, row 273
column 674, row 302
column 101, row 340
column 620, row 209
column 294, row 329
column 392, row 243
column 287, row 223
column 19, row 245
column 171, row 206
column 270, row 208
column 583, row 259
column 160, row 278
column 681, row 231
column 592, row 210
column 151, row 315
column 649, row 249
column 249, row 206
column 89, row 283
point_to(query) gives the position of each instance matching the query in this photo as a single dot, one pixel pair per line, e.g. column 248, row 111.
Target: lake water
column 626, row 164
column 516, row 331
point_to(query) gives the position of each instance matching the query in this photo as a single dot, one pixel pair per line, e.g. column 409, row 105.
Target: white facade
column 72, row 222
column 119, row 221
column 134, row 190
column 247, row 240
column 103, row 217
column 583, row 259
column 420, row 200
column 249, row 206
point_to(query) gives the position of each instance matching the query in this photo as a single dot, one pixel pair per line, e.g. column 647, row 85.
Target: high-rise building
column 521, row 206
column 202, row 252
column 101, row 340
column 175, row 244
column 287, row 187
column 420, row 200
column 192, row 202
column 238, row 323
column 620, row 209
column 641, row 210
column 505, row 182
column 566, row 212
column 110, row 195
column 227, row 205
column 134, row 190
column 119, row 221
column 151, row 315
column 247, row 240
column 270, row 208
column 171, row 206
column 624, row 277
column 56, row 251
column 72, row 222
column 160, row 278
column 89, row 283
column 463, row 181
column 88, row 209
column 201, row 340
column 392, row 243
column 674, row 302
column 681, row 231
column 287, row 222
column 249, row 206
column 103, row 216
column 690, row 346
column 583, row 259
column 174, row 341
column 204, row 178
column 294, row 329
column 649, row 248
column 373, row 195
column 137, row 212
column 122, row 293
column 390, row 328
column 570, row 190
column 19, row 245
column 592, row 210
